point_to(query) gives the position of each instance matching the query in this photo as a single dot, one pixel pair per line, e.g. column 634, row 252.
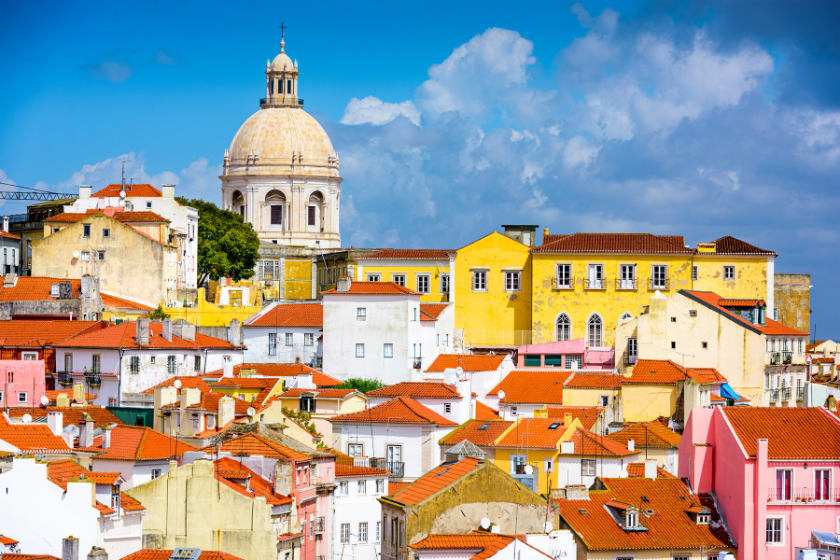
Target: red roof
column 187, row 382
column 265, row 384
column 614, row 243
column 210, row 402
column 100, row 415
column 8, row 235
column 488, row 544
column 666, row 372
column 713, row 301
column 30, row 437
column 228, row 470
column 293, row 315
column 484, row 412
column 637, row 470
column 378, row 288
column 401, row 410
column 582, row 380
column 670, row 527
column 122, row 303
column 282, row 370
column 409, row 254
column 38, row 288
column 542, row 433
column 124, row 217
column 791, row 433
column 533, row 386
column 7, row 540
column 647, row 435
column 140, row 190
column 729, row 245
column 417, row 390
column 591, row 444
column 53, row 395
column 469, row 362
column 122, row 336
column 435, row 480
column 255, row 444
column 741, row 302
column 13, row 556
column 29, row 334
column 352, row 471
column 149, row 554
column 321, row 393
column 395, row 486
column 138, row 443
column 588, row 415
column 62, row 472
column 479, row 432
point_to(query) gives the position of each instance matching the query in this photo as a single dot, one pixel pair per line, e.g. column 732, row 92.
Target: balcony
column 281, row 103
column 774, row 395
column 594, row 284
column 800, row 393
column 803, row 495
column 417, row 363
column 320, row 525
column 396, row 468
column 65, row 378
column 786, row 394
column 630, row 359
column 626, row 284
column 781, row 358
column 659, row 284
column 93, row 379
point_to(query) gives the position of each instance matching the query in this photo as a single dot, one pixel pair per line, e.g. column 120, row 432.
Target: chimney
column 577, row 492
column 190, row 396
column 70, row 548
column 226, row 412
column 97, row 553
column 235, row 332
column 79, row 393
column 84, row 192
column 545, row 232
column 344, row 284
column 142, row 334
column 183, row 330
column 163, row 397
column 631, row 445
column 567, row 419
column 227, row 369
column 86, row 431
column 62, row 400
column 283, row 477
column 55, row 421
column 106, row 437
column 167, row 191
column 167, row 329
column 650, row 469
column 6, row 224
column 567, row 447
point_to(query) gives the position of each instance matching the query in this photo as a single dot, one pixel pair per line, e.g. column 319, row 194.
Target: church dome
column 282, row 61
column 281, row 141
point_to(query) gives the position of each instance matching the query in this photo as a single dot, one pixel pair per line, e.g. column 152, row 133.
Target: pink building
column 568, row 354
column 23, row 382
column 773, row 470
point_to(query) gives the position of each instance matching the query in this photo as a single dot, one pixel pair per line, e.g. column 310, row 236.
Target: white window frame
column 29, row 355
column 272, row 344
column 361, row 314
column 344, row 534
column 653, row 276
column 729, row 268
column 23, row 397
column 353, row 445
column 587, row 467
column 513, row 411
column 479, row 280
column 361, row 487
column 565, row 275
column 568, row 325
column 513, row 281
column 380, row 485
column 398, row 279
column 363, row 532
column 781, row 519
column 424, row 283
column 589, row 325
column 308, row 339
column 595, row 276
column 290, row 339
column 374, row 277
column 85, row 256
column 814, row 486
column 387, row 350
column 360, row 350
column 695, row 273
column 156, row 473
column 447, row 408
column 378, row 531
column 444, row 283
column 627, row 276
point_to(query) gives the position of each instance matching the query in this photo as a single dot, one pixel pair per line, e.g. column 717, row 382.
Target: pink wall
column 22, row 376
column 311, row 504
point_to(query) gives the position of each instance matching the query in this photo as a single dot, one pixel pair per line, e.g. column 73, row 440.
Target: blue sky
column 702, row 119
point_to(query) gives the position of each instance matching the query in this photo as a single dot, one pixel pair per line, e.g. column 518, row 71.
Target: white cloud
column 116, row 71
column 579, row 151
column 162, row 57
column 375, row 111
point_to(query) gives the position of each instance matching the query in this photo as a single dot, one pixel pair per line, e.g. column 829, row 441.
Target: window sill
column 564, row 288
column 513, row 291
column 626, row 289
column 479, row 291
column 602, row 289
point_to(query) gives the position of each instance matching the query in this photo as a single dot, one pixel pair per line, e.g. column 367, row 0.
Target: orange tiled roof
column 396, row 485
column 670, row 526
column 30, row 437
column 143, row 190
column 469, row 362
column 122, row 336
column 591, row 444
column 656, row 372
column 265, row 384
column 729, row 245
column 400, row 410
column 321, row 393
column 37, row 288
column 292, row 315
column 409, row 254
column 228, row 468
column 479, row 432
column 647, row 434
column 122, row 303
column 433, row 310
column 705, row 375
column 792, row 433
column 418, row 389
column 582, row 380
column 484, row 412
column 52, row 395
column 533, row 433
column 614, row 243
column 187, row 382
column 70, row 415
column 740, row 302
column 435, row 480
column 489, row 544
column 282, row 370
column 124, row 217
column 7, row 235
column 712, row 300
column 62, row 472
column 210, row 402
column 637, row 470
column 255, row 444
column 533, row 386
column 149, row 554
column 379, row 288
column 588, row 415
column 31, row 334
column 349, row 471
column 138, row 443
column 13, row 556
column 7, row 540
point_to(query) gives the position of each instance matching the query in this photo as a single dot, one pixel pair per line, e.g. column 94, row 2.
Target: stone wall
column 793, row 299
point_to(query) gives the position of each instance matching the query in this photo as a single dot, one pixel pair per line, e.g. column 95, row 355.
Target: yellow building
column 422, row 270
column 332, row 264
column 492, row 291
column 733, row 268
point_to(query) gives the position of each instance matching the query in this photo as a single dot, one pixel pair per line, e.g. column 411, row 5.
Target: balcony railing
column 417, row 363
column 621, row 284
column 590, row 284
column 774, row 395
column 800, row 393
column 320, row 525
column 803, row 495
column 786, row 394
column 779, row 358
column 93, row 379
column 630, row 359
column 396, row 468
column 65, row 378
column 659, row 283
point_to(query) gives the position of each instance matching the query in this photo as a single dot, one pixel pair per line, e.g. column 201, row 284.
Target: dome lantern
column 281, row 87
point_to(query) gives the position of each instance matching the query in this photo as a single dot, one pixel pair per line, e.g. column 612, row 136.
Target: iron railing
column 594, row 284
column 800, row 393
column 320, row 525
column 93, row 378
column 396, row 468
column 659, row 284
column 774, row 395
column 417, row 363
column 803, row 495
column 778, row 358
column 65, row 378
column 630, row 359
column 786, row 394
column 621, row 284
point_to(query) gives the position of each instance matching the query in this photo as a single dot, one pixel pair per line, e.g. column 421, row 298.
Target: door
column 821, row 484
column 632, row 351
column 628, row 277
column 394, row 454
column 596, row 276
column 783, row 484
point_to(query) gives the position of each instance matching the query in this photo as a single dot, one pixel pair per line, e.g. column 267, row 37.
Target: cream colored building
column 281, row 171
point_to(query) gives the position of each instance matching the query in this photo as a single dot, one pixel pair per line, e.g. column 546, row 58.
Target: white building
column 453, row 400
column 39, row 506
column 285, row 333
column 131, row 357
column 357, row 533
column 10, row 244
column 401, row 435
column 485, row 371
column 142, row 197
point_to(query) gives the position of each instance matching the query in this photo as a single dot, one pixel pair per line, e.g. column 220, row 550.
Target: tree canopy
column 227, row 245
column 361, row 385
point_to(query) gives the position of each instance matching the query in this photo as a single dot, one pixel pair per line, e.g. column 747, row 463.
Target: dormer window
column 307, row 403
column 703, row 519
column 54, row 290
column 631, row 519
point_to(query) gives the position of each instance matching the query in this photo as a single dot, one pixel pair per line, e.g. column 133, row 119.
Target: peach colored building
column 23, row 382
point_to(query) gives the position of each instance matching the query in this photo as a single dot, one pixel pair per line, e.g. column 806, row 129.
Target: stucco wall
column 643, row 403
column 355, row 508
column 256, row 340
column 750, row 276
column 793, row 299
column 410, row 269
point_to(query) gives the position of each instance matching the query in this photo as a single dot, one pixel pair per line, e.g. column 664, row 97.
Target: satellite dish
column 529, row 469
column 658, row 293
column 501, row 395
column 27, row 418
column 177, row 384
column 251, row 411
column 548, row 527
column 122, row 194
column 44, row 400
column 459, row 370
column 485, row 523
column 75, row 254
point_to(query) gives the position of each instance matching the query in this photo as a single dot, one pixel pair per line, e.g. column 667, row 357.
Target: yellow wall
column 610, row 303
column 410, row 272
column 587, row 397
column 207, row 314
column 750, row 276
column 298, row 279
column 662, row 554
column 536, row 458
column 643, row 403
column 494, row 317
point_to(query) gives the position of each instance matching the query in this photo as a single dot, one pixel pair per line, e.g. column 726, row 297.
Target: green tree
column 361, row 385
column 159, row 313
column 227, row 245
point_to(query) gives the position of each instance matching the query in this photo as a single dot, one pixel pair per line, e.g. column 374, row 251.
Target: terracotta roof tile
column 656, row 372
column 282, row 370
column 136, row 443
column 143, row 190
column 266, row 385
column 729, row 245
column 533, row 433
column 122, row 303
column 409, row 254
column 614, row 243
column 670, row 526
column 533, row 386
column 379, row 288
column 591, row 444
column 8, row 541
column 122, row 336
column 53, row 395
column 30, row 437
column 480, row 432
column 484, row 412
column 228, row 469
column 7, row 235
column 293, row 315
column 712, row 300
column 64, row 471
column 435, row 480
column 433, row 310
column 417, row 389
column 588, row 415
column 469, row 362
column 584, row 380
column 255, row 444
column 70, row 415
column 124, row 217
column 350, row 471
column 792, row 433
column 396, row 485
column 13, row 556
column 489, row 544
column 149, row 554
column 321, row 393
column 400, row 410
column 740, row 302
column 187, row 382
column 210, row 402
column 637, row 470
column 647, row 434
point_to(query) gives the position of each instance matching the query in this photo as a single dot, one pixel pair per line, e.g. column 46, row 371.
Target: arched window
column 238, row 203
column 594, row 331
column 563, row 328
column 626, row 316
column 315, row 210
column 275, row 200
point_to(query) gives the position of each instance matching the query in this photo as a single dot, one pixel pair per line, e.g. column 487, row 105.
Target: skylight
column 554, row 426
column 484, row 427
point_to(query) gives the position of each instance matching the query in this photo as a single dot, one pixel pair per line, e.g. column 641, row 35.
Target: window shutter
column 311, row 215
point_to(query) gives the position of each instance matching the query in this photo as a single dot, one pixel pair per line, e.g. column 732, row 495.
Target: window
column 800, row 345
column 308, row 339
column 821, row 484
column 380, row 489
column 626, row 316
column 29, row 355
column 424, row 283
column 388, row 350
column 563, row 328
column 345, row 533
column 361, row 313
column 399, row 279
column 774, row 530
column 22, row 397
column 115, row 497
column 548, row 465
column 272, row 344
column 513, row 281
column 518, row 463
column 393, row 531
column 354, row 449
column 632, row 350
column 628, row 277
column 152, row 360
column 290, row 339
column 673, row 345
column 197, row 363
column 54, row 290
column 68, row 363
column 96, row 363
column 56, row 230
column 775, row 313
column 444, row 283
column 363, row 532
column 393, row 453
column 692, row 313
column 658, row 277
column 276, row 215
column 605, row 400
column 156, row 473
column 631, row 519
column 373, row 277
column 729, row 273
column 360, row 350
column 149, row 205
column 703, row 518
column 134, row 364
column 573, row 361
column 170, row 364
column 85, row 230
column 378, row 531
column 564, row 276
column 362, row 487
column 343, row 488
column 594, row 331
column 513, row 411
column 101, row 255
column 595, row 276
column 85, row 256
column 705, row 345
column 587, row 467
column 447, row 408
column 479, row 280
column 106, row 232
column 1, row 396
column 783, row 484
column 311, row 216
column 307, row 403
column 694, row 275
column 673, row 319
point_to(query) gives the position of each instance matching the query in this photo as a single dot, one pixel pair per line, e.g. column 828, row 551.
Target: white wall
column 522, row 410
column 134, row 473
column 256, row 339
column 355, row 508
column 568, row 469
